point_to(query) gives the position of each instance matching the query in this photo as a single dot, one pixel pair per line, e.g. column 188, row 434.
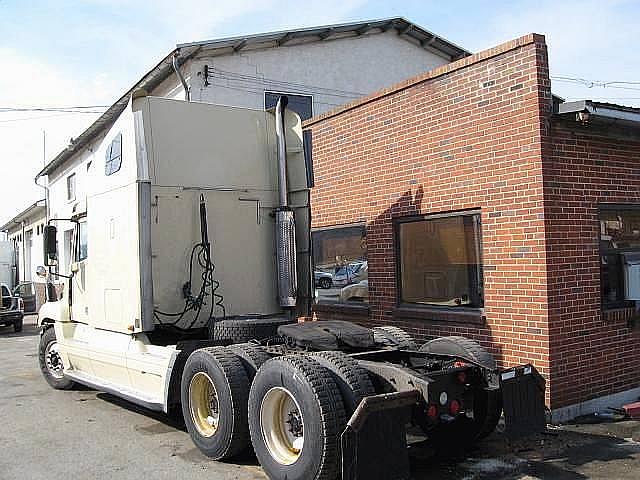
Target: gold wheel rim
column 203, row 404
column 282, row 425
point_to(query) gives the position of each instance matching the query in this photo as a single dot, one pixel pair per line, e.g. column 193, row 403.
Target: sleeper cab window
column 71, row 187
column 440, row 260
column 340, row 264
column 113, row 156
column 619, row 255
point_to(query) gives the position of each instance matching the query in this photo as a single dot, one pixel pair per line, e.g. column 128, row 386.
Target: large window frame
column 341, row 272
column 617, row 252
column 402, row 305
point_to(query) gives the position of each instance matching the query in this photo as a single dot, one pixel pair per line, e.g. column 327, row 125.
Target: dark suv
column 12, row 309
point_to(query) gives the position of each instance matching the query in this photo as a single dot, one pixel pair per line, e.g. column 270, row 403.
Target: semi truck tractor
column 191, row 272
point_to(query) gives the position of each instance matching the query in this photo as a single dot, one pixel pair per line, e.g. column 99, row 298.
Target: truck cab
column 176, row 239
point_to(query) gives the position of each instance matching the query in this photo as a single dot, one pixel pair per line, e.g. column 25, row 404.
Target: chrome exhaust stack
column 285, row 221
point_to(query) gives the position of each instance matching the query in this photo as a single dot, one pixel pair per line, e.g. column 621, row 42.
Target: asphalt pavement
column 84, row 434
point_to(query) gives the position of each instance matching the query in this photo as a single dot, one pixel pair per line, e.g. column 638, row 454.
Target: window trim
column 429, row 311
column 611, row 207
column 286, row 94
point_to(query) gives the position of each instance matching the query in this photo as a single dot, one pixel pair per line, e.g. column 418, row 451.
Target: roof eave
column 26, row 213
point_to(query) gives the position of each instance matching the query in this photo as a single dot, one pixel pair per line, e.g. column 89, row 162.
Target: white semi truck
column 192, row 264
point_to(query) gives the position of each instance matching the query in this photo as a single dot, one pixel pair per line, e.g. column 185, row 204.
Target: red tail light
column 455, row 407
column 432, row 411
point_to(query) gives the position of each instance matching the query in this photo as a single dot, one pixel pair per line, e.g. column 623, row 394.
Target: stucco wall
column 334, row 72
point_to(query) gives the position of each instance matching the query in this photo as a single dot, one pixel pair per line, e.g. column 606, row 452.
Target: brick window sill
column 441, row 314
column 344, row 308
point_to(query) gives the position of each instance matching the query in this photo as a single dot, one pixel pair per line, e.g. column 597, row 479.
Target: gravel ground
column 85, row 434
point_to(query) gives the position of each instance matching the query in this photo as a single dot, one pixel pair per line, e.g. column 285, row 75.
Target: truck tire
column 296, row 416
column 252, row 357
column 17, row 325
column 352, row 380
column 214, row 394
column 244, row 330
column 394, row 337
column 51, row 363
column 462, row 346
column 487, row 403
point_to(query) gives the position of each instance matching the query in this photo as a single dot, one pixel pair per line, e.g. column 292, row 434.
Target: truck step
column 125, row 393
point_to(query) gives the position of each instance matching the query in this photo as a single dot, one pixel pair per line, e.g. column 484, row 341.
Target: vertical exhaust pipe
column 285, row 221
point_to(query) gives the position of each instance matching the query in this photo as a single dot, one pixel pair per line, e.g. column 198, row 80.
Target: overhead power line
column 616, row 84
column 76, row 109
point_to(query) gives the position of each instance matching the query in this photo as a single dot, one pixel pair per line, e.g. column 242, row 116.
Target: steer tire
column 220, row 367
column 352, row 380
column 394, row 337
column 244, row 330
column 252, row 357
column 487, row 407
column 54, row 377
column 315, row 401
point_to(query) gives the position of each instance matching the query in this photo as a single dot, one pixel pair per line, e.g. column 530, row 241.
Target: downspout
column 24, row 257
column 176, row 68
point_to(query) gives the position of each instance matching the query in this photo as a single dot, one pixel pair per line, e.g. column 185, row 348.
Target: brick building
column 469, row 201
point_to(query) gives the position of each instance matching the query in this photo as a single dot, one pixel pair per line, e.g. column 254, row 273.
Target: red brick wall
column 592, row 354
column 466, row 135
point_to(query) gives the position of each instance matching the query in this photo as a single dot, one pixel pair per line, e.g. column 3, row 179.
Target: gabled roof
column 427, row 40
column 39, row 207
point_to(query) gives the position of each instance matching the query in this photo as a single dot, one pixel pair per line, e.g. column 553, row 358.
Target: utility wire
column 50, row 109
column 616, row 84
column 261, row 81
column 44, row 116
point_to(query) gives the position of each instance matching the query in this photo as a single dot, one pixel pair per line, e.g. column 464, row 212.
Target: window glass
column 113, row 156
column 71, row 187
column 301, row 104
column 341, row 270
column 5, row 291
column 619, row 243
column 440, row 261
column 82, row 242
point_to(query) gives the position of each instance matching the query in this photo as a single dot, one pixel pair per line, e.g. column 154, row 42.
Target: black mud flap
column 374, row 443
column 523, row 401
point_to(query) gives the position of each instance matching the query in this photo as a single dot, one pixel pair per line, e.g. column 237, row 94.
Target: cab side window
column 113, row 156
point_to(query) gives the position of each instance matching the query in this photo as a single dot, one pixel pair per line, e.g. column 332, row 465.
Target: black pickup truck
column 12, row 309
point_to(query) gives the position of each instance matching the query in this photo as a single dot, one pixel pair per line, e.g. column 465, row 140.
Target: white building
column 317, row 68
column 24, row 233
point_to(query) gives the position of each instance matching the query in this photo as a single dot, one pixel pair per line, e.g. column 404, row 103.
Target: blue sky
column 66, row 53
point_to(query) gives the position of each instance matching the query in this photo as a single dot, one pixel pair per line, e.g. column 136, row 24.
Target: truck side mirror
column 50, row 242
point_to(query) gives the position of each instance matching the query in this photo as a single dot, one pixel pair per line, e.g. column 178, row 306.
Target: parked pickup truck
column 12, row 310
